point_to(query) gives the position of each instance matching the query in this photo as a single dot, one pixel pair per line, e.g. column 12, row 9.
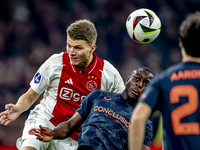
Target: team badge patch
column 37, row 78
column 91, row 85
column 32, row 131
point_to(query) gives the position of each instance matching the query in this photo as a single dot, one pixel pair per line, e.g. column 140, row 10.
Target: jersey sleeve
column 86, row 105
column 151, row 95
column 43, row 76
column 148, row 133
column 111, row 79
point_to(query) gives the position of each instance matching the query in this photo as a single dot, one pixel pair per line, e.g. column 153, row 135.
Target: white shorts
column 36, row 118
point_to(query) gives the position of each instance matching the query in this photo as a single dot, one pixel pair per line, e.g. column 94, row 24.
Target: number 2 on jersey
column 184, row 110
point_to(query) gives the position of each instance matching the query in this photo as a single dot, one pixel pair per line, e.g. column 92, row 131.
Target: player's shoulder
column 95, row 92
column 56, row 56
column 111, row 73
column 53, row 62
column 167, row 73
column 101, row 92
column 108, row 67
column 55, row 59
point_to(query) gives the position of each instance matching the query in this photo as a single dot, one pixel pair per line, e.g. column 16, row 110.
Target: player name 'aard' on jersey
column 176, row 93
column 107, row 122
column 65, row 86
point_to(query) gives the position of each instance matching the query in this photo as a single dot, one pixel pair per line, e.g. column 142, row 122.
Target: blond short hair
column 83, row 30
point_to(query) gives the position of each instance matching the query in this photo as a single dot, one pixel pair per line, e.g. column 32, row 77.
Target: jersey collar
column 88, row 69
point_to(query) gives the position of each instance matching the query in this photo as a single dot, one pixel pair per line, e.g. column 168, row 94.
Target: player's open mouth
column 135, row 92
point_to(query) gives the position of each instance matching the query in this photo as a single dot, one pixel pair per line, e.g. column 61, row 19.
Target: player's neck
column 193, row 59
column 131, row 101
column 188, row 58
column 86, row 64
column 90, row 61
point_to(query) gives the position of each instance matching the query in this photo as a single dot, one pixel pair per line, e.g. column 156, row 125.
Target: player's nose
column 140, row 84
column 71, row 51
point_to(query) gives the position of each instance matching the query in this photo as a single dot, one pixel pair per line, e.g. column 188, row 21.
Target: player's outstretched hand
column 44, row 134
column 11, row 113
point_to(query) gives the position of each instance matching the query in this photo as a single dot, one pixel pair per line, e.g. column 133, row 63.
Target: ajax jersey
column 65, row 86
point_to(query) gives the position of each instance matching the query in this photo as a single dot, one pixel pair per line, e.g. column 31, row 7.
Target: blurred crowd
column 33, row 30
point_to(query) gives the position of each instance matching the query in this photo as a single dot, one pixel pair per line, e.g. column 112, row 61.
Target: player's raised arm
column 63, row 130
column 137, row 129
column 12, row 111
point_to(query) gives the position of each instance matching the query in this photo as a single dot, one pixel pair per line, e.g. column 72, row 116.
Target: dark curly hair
column 189, row 33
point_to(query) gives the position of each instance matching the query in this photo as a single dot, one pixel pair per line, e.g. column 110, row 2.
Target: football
column 143, row 26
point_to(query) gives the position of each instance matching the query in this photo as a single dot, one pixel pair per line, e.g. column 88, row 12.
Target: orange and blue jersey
column 175, row 92
column 107, row 120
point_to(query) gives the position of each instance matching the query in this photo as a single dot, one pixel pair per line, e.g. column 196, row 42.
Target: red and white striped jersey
column 65, row 86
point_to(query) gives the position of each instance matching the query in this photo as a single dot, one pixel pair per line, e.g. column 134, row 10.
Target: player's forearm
column 63, row 130
column 23, row 103
column 27, row 100
column 136, row 134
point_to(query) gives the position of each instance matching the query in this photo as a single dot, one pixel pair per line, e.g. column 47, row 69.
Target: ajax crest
column 91, row 85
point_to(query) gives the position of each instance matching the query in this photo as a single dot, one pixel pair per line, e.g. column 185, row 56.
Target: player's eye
column 146, row 83
column 78, row 48
column 137, row 79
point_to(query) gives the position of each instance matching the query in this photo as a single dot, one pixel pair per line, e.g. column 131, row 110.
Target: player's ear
column 183, row 53
column 94, row 48
column 180, row 44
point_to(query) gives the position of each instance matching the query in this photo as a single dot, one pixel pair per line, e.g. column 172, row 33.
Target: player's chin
column 74, row 63
column 133, row 96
